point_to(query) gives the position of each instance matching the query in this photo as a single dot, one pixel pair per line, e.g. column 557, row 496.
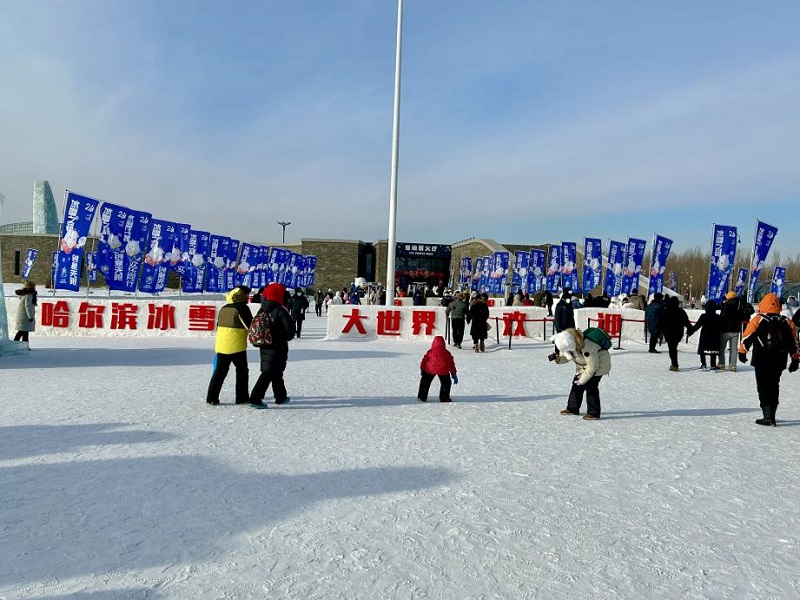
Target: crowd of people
column 728, row 332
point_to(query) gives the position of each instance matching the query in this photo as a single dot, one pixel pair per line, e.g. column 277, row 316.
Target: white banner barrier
column 358, row 322
column 122, row 316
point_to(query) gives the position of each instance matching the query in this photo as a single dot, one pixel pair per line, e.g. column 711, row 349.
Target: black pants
column 712, row 357
column 425, row 381
column 672, row 347
column 653, row 340
column 271, row 373
column 318, row 308
column 224, row 361
column 768, row 381
column 298, row 326
column 458, row 330
column 22, row 336
column 592, row 396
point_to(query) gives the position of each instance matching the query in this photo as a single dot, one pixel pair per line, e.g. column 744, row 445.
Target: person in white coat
column 26, row 313
column 591, row 363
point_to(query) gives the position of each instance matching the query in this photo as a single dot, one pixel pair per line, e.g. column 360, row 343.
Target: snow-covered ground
column 117, row 480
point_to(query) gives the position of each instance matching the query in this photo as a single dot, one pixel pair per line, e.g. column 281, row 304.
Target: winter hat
column 658, row 297
column 473, row 294
column 568, row 341
column 275, row 292
column 770, row 304
column 29, row 284
column 730, row 295
column 240, row 294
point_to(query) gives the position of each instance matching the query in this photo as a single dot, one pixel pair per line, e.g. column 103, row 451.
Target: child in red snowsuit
column 437, row 361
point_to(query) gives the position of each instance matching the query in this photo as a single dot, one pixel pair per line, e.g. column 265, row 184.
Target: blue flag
column 765, row 235
column 536, row 270
column 741, row 279
column 466, row 273
column 30, row 258
column 592, row 263
column 569, row 267
column 91, row 266
column 661, row 248
column 519, row 278
column 632, row 267
column 778, row 279
column 179, row 255
column 553, row 275
column 723, row 255
column 498, row 273
column 476, row 278
column 78, row 215
column 616, row 257
column 195, row 263
column 120, row 249
column 161, row 240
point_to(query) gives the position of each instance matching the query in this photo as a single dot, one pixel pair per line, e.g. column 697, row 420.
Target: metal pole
column 284, row 224
column 391, row 249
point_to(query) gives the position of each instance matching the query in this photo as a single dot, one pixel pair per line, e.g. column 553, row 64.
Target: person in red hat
column 275, row 354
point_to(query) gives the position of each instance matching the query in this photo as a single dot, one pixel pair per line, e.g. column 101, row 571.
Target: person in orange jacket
column 773, row 339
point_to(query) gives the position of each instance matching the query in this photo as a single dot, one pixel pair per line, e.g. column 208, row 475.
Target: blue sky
column 522, row 121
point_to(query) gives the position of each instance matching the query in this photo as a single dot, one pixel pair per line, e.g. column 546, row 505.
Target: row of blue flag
column 556, row 269
column 136, row 251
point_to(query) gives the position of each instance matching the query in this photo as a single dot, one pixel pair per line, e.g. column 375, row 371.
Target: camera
column 552, row 357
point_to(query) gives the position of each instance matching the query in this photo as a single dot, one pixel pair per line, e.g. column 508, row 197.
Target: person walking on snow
column 298, row 305
column 274, row 356
column 591, row 363
column 674, row 321
column 26, row 313
column 437, row 362
column 652, row 317
column 457, row 312
column 711, row 324
column 230, row 345
column 478, row 316
column 773, row 339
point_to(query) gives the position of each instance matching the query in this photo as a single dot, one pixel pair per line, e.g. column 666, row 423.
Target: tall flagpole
column 391, row 249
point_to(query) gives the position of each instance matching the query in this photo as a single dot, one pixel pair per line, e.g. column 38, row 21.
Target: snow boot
column 769, row 418
column 482, row 347
column 588, row 417
column 475, row 347
column 673, row 367
column 567, row 411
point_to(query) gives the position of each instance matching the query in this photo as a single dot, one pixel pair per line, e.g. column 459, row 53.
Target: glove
column 577, row 381
column 793, row 365
column 455, row 377
column 742, row 357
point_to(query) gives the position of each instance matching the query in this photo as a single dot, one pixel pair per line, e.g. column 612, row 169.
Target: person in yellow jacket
column 230, row 345
column 773, row 339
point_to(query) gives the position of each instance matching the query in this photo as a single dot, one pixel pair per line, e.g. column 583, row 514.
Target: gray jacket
column 457, row 309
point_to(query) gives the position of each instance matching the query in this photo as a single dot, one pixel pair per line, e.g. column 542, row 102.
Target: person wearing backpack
column 773, row 339
column 275, row 352
column 230, row 345
column 592, row 361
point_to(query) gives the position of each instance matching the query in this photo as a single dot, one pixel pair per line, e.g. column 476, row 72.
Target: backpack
column 774, row 334
column 260, row 332
column 599, row 337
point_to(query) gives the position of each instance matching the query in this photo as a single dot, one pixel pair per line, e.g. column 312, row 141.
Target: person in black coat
column 711, row 324
column 298, row 304
column 548, row 302
column 733, row 319
column 478, row 316
column 674, row 321
column 565, row 313
column 652, row 317
column 275, row 355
